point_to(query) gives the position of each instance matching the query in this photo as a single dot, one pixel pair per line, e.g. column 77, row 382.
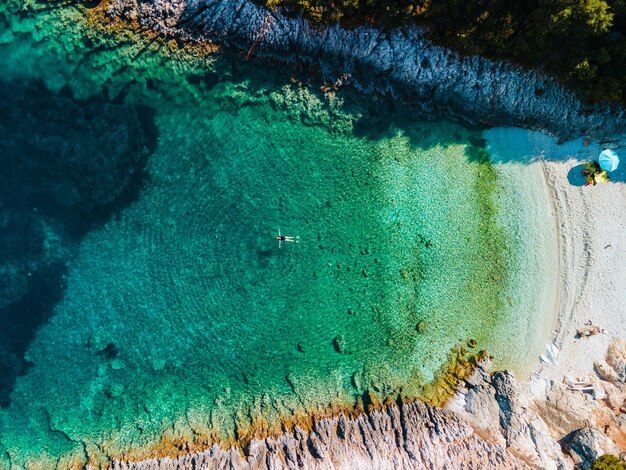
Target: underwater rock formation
column 60, row 175
column 401, row 63
column 60, row 154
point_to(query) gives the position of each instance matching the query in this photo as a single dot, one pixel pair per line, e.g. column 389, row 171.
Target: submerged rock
column 339, row 343
column 55, row 155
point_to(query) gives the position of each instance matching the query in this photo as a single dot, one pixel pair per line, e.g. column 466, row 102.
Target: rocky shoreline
column 494, row 422
column 401, row 63
column 408, row 436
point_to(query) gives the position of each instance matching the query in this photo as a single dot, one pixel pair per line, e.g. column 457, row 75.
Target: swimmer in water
column 286, row 238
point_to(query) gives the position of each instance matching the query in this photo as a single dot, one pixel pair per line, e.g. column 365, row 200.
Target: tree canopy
column 608, row 462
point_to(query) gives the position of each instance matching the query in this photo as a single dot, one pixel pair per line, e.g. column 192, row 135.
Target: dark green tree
column 608, row 462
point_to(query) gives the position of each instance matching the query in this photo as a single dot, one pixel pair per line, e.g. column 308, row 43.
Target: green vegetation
column 582, row 42
column 608, row 462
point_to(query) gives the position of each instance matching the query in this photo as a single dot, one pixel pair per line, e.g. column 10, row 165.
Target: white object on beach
column 552, row 353
column 550, row 356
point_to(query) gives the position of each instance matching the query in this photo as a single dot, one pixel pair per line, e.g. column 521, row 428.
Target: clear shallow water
column 174, row 308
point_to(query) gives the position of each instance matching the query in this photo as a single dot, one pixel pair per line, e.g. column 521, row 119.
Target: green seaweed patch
column 492, row 237
column 460, row 364
column 608, row 462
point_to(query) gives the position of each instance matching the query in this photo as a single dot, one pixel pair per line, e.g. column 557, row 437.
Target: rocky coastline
column 493, row 422
column 401, row 63
column 409, row 436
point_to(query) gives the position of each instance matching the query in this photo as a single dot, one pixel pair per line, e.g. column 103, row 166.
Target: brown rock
column 616, row 358
column 613, row 396
column 564, row 410
column 605, row 371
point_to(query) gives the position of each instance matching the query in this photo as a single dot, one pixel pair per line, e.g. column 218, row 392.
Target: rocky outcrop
column 401, row 63
column 493, row 422
column 569, row 426
column 406, row 436
column 588, row 444
column 499, row 409
column 525, row 432
column 616, row 358
column 565, row 410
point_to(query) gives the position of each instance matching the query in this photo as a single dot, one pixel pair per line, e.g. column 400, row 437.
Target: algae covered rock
column 340, row 345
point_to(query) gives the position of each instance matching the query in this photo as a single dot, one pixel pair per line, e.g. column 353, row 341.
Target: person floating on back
column 286, row 238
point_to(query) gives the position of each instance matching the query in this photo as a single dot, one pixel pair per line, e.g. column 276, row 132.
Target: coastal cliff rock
column 525, row 432
column 566, row 428
column 588, row 444
column 499, row 409
column 401, row 63
column 407, row 436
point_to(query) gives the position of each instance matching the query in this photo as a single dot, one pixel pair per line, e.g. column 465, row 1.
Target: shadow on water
column 66, row 167
column 21, row 319
column 383, row 110
column 380, row 116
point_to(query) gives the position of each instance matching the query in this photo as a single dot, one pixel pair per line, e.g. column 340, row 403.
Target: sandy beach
column 591, row 233
column 592, row 272
column 573, row 399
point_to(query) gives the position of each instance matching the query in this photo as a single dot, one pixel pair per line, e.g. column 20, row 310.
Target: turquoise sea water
column 145, row 292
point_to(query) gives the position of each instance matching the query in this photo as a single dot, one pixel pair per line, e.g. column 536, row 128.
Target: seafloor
column 143, row 292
